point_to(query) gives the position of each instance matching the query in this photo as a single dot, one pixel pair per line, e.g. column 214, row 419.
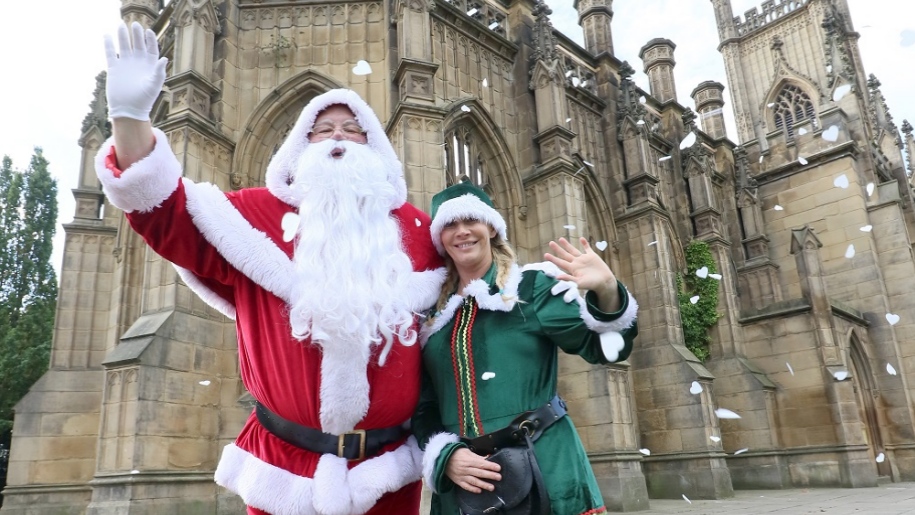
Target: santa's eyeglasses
column 350, row 130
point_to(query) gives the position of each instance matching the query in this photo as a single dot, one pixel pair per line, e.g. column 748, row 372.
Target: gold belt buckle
column 340, row 443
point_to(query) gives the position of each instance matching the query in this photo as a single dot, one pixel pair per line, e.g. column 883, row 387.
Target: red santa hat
column 283, row 166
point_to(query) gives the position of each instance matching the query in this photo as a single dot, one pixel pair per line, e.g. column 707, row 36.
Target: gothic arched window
column 792, row 106
column 463, row 157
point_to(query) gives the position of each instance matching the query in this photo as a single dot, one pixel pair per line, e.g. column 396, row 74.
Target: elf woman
column 490, row 363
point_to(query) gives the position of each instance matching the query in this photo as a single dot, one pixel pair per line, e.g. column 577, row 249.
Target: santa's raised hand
column 586, row 269
column 135, row 72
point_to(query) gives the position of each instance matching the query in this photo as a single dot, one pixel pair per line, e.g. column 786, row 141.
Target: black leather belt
column 534, row 423
column 352, row 445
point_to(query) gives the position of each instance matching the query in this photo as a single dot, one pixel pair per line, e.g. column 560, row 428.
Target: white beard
column 351, row 272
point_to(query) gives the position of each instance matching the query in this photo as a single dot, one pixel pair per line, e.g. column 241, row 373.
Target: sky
column 52, row 50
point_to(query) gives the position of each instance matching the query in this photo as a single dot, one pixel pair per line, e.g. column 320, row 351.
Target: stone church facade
column 143, row 389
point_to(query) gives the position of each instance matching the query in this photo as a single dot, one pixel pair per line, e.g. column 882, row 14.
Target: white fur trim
column 284, row 163
column 249, row 250
column 334, row 489
column 207, row 295
column 461, row 208
column 625, row 320
column 443, row 317
column 344, row 385
column 434, row 447
column 145, row 184
column 424, row 287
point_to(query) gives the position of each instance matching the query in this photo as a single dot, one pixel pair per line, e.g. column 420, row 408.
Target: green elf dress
column 490, row 356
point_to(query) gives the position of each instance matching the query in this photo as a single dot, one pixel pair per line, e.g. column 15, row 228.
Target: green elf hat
column 460, row 202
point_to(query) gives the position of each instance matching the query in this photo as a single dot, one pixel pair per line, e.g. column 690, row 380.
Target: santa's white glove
column 136, row 75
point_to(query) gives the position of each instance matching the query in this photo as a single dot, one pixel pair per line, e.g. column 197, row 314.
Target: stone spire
column 98, row 108
column 658, row 58
column 594, row 18
column 710, row 105
column 544, row 39
column 909, row 144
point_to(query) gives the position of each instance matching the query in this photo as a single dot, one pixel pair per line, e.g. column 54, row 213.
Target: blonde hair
column 503, row 255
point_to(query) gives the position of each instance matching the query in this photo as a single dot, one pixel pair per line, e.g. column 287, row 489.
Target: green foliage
column 699, row 317
column 28, row 284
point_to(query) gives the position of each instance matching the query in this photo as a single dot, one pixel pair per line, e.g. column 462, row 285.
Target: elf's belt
column 352, row 445
column 534, row 423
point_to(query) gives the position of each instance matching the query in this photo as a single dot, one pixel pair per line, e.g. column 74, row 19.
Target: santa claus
column 322, row 271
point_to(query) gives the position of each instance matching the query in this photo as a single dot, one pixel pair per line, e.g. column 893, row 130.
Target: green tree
column 698, row 317
column 28, row 284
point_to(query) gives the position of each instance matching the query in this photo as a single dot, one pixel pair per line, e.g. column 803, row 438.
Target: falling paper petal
column 488, row 375
column 695, row 388
column 880, row 458
column 694, row 299
column 584, row 83
column 642, row 99
column 655, row 242
column 850, row 251
column 688, row 141
column 702, row 272
column 134, row 471
column 493, row 25
column 569, row 72
column 870, row 189
column 761, row 158
column 831, row 134
column 890, row 370
column 778, row 208
column 867, row 228
column 362, row 68
column 472, row 12
column 205, row 383
column 714, row 438
column 789, row 368
column 290, row 225
column 741, row 451
column 771, row 104
column 576, row 81
column 601, row 245
column 716, row 277
column 665, row 158
column 685, row 498
column 569, row 227
column 841, row 375
column 485, row 83
column 840, row 92
column 892, row 319
column 802, row 161
column 587, row 163
column 465, row 109
column 801, row 131
column 640, row 122
column 568, row 120
column 419, row 223
column 726, row 413
column 646, row 452
column 841, row 181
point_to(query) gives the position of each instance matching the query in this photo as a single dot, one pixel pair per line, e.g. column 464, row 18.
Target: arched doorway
column 868, row 398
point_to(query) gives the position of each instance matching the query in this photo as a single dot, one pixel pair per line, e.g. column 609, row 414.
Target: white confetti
column 694, row 299
column 771, row 104
column 665, row 158
column 588, row 164
column 850, row 251
column 569, row 227
column 741, row 451
column 716, row 277
column 726, row 413
column 801, row 131
column 134, row 471
column 688, row 141
column 832, row 133
column 702, row 272
column 841, row 375
column 568, row 72
column 695, row 388
column 789, row 368
column 485, row 83
column 714, row 438
column 465, row 109
column 761, row 158
column 867, row 228
column 870, row 189
column 640, row 122
column 890, row 370
column 419, row 223
column 493, row 25
column 290, row 225
column 841, row 181
column 646, row 452
column 488, row 375
column 892, row 318
column 601, row 245
column 642, row 99
column 584, row 83
column 802, row 161
column 568, row 120
column 655, row 242
column 205, row 383
column 362, row 68
column 881, row 457
column 472, row 11
column 840, row 92
column 576, row 81
column 685, row 498
column 778, row 208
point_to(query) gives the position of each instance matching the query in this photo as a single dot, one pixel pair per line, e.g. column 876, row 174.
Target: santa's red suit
column 230, row 249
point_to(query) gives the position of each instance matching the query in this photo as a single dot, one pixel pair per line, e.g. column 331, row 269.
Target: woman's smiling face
column 467, row 243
